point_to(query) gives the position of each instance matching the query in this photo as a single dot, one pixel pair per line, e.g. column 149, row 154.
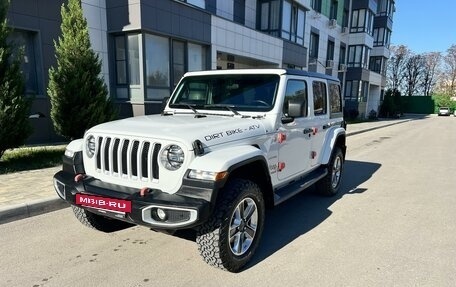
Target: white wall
column 236, row 39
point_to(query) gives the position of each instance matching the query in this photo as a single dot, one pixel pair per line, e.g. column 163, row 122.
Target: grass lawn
column 28, row 158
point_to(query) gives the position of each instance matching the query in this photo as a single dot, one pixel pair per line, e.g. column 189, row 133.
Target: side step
column 294, row 187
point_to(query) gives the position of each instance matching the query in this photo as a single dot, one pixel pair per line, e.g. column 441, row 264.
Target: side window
column 319, row 94
column 335, row 99
column 295, row 102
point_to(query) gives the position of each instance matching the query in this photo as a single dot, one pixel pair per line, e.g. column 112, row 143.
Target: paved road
column 394, row 224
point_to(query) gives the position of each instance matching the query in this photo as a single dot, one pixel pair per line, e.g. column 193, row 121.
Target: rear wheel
column 98, row 222
column 330, row 184
column 229, row 239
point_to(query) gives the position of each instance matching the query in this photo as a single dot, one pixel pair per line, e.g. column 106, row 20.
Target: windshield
column 219, row 92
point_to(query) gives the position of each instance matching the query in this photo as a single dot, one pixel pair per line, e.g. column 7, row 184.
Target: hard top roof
column 263, row 71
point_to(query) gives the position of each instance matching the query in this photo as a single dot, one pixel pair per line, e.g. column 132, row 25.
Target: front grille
column 135, row 159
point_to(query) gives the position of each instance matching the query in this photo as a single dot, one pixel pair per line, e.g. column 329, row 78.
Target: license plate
column 105, row 203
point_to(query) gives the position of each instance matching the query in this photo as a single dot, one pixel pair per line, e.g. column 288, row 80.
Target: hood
column 186, row 128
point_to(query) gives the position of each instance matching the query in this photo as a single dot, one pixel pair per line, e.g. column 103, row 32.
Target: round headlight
column 172, row 157
column 90, row 146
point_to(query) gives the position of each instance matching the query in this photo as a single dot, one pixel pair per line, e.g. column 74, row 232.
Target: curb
column 41, row 206
column 32, row 208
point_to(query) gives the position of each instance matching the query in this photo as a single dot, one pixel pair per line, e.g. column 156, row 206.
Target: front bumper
column 182, row 210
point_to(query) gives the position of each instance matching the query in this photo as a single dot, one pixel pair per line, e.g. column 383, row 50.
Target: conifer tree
column 79, row 96
column 14, row 106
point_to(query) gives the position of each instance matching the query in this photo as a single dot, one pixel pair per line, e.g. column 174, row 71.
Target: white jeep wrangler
column 227, row 145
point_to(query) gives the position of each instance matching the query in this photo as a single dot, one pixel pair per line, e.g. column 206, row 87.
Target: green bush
column 14, row 106
column 79, row 96
column 443, row 100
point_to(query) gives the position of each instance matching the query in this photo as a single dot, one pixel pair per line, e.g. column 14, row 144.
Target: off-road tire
column 330, row 184
column 98, row 222
column 213, row 237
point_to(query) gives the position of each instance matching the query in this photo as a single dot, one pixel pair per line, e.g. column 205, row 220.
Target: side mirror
column 296, row 108
column 287, row 119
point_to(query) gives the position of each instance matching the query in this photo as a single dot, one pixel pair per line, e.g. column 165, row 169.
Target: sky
column 424, row 26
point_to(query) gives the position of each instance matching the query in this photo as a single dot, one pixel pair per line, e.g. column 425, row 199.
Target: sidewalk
column 29, row 193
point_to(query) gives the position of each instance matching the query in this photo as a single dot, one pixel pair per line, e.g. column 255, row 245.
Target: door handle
column 308, row 131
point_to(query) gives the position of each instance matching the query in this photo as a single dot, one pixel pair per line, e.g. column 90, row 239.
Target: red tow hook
column 144, row 191
column 79, row 177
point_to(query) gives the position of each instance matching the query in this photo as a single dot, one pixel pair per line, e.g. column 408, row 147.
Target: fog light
column 161, row 214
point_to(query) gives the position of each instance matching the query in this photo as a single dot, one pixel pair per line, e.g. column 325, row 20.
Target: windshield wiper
column 228, row 107
column 189, row 106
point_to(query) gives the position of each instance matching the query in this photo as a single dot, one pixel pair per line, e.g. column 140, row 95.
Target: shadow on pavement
column 307, row 210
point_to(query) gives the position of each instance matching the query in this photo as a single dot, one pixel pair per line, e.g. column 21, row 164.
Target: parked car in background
column 444, row 111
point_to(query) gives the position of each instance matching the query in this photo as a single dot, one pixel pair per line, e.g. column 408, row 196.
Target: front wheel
column 98, row 222
column 229, row 239
column 330, row 184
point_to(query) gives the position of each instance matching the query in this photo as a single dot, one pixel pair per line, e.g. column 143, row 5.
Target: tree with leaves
column 79, row 96
column 14, row 106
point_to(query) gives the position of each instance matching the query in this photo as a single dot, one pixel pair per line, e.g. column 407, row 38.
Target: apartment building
column 147, row 45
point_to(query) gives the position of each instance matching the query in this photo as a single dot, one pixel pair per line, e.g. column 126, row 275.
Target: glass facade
column 356, row 91
column 382, row 37
column 165, row 62
column 358, row 56
column 26, row 40
column 362, row 21
column 288, row 23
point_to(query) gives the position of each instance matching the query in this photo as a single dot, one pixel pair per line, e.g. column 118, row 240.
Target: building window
column 364, row 91
column 29, row 63
column 333, row 10
column 157, row 66
column 313, row 51
column 345, row 18
column 288, row 23
column 362, row 21
column 239, row 11
column 378, row 65
column 196, row 57
column 133, row 59
column 382, row 37
column 375, row 64
column 358, row 56
column 296, row 93
column 178, row 61
column 293, row 18
column 197, row 3
column 330, row 52
column 342, row 52
column 165, row 62
column 316, row 5
column 352, row 90
column 127, row 63
column 121, row 61
column 385, row 8
column 319, row 96
column 356, row 91
column 270, row 17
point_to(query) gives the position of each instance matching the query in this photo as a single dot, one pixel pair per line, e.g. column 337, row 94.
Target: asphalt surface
column 30, row 193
